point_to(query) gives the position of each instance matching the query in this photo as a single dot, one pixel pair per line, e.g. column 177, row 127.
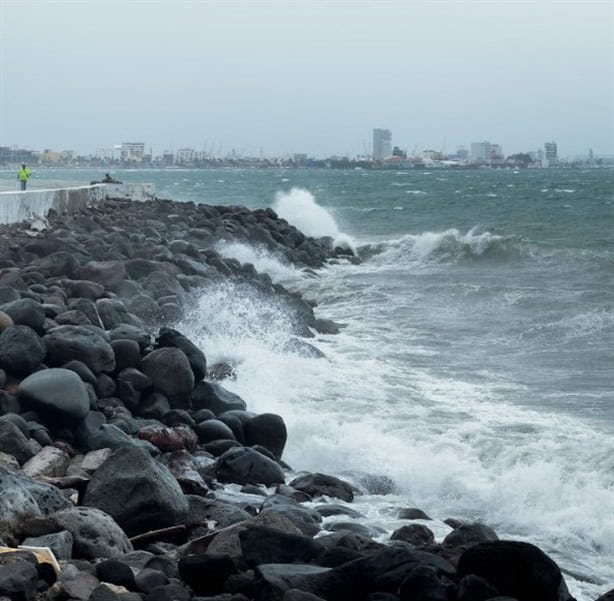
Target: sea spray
column 299, row 207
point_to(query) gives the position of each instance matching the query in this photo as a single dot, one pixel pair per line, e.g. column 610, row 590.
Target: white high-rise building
column 551, row 154
column 481, row 151
column 382, row 144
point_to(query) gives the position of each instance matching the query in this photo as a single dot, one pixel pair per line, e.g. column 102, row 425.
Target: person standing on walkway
column 22, row 176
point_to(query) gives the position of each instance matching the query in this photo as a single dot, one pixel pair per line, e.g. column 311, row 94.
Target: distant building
column 550, row 154
column 481, row 152
column 399, row 152
column 496, row 152
column 300, row 158
column 462, row 153
column 382, row 144
column 132, row 152
column 184, row 155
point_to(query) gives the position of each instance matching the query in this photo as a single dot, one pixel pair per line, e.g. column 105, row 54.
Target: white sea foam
column 261, row 258
column 299, row 207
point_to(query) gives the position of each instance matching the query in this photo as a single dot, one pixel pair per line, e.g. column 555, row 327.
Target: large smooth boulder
column 171, row 374
column 470, row 534
column 21, row 350
column 274, row 579
column 260, row 544
column 65, row 343
column 206, row 573
column 138, row 492
column 422, row 583
column 515, row 569
column 196, row 358
column 317, row 484
column 212, row 396
column 307, row 520
column 18, row 580
column 112, row 313
column 267, row 430
column 58, row 393
column 247, row 466
column 60, row 543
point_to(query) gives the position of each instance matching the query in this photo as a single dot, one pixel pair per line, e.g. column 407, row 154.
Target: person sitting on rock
column 109, row 180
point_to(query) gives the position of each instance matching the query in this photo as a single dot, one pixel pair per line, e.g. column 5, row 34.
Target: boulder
column 196, row 358
column 260, row 544
column 247, row 466
column 307, row 520
column 13, row 442
column 21, row 350
column 423, row 584
column 58, row 393
column 515, row 569
column 212, row 396
column 317, row 484
column 268, row 430
column 274, row 579
column 470, row 534
column 112, row 313
column 95, row 533
column 213, row 429
column 475, row 588
column 138, row 492
column 127, row 354
column 65, row 343
column 171, row 374
column 223, row 514
column 129, row 332
column 26, row 312
column 18, row 580
column 106, row 273
column 414, row 534
column 60, row 543
column 206, row 573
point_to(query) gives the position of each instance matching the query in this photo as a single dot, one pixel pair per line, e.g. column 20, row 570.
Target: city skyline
column 306, row 77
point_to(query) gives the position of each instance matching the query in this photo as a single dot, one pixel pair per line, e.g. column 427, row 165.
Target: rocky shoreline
column 122, row 452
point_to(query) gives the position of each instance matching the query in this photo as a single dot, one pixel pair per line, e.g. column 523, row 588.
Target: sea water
column 475, row 368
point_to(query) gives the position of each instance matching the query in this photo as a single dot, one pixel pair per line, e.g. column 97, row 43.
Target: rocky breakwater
column 149, row 481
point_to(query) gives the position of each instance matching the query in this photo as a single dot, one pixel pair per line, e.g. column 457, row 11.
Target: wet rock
column 422, row 584
column 137, row 491
column 260, row 544
column 130, row 332
column 115, row 572
column 475, row 588
column 414, row 534
column 65, row 343
column 470, row 534
column 127, row 354
column 147, row 580
column 317, row 484
column 223, row 514
column 247, row 466
column 412, row 513
column 206, row 573
column 208, row 395
column 112, row 313
column 268, row 430
column 58, row 393
column 516, row 569
column 82, row 370
column 171, row 374
column 106, row 273
column 273, row 580
column 329, row 509
column 213, row 429
column 79, row 587
column 6, row 321
column 196, row 358
column 305, row 519
column 21, row 350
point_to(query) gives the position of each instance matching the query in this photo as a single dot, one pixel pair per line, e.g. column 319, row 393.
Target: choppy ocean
column 476, row 367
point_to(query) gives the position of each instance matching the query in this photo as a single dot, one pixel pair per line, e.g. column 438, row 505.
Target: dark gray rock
column 470, row 534
column 274, row 579
column 212, row 396
column 268, row 430
column 59, row 542
column 171, row 374
column 206, row 573
column 516, row 569
column 414, row 534
column 18, row 580
column 106, row 273
column 21, row 350
column 305, row 519
column 412, row 513
column 475, row 588
column 317, row 484
column 130, row 332
column 422, row 584
column 127, row 354
column 329, row 509
column 13, row 442
column 260, row 544
column 247, row 466
column 82, row 370
column 213, row 429
column 65, row 343
column 25, row 312
column 112, row 313
column 115, row 572
column 59, row 393
column 138, row 492
column 196, row 358
column 223, row 514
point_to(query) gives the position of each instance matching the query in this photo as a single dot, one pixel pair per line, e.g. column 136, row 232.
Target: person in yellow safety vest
column 22, row 176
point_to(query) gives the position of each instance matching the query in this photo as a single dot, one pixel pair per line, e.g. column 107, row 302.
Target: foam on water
column 261, row 258
column 299, row 207
column 452, row 446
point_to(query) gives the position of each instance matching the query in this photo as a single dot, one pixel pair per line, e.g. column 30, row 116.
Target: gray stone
column 247, row 466
column 65, row 343
column 21, row 350
column 60, row 543
column 13, row 442
column 49, row 462
column 57, row 392
column 171, row 374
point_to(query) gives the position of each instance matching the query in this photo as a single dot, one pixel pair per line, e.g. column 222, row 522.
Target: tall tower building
column 551, row 154
column 382, row 144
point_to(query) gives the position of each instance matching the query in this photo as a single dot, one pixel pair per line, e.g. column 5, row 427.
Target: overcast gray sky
column 307, row 76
